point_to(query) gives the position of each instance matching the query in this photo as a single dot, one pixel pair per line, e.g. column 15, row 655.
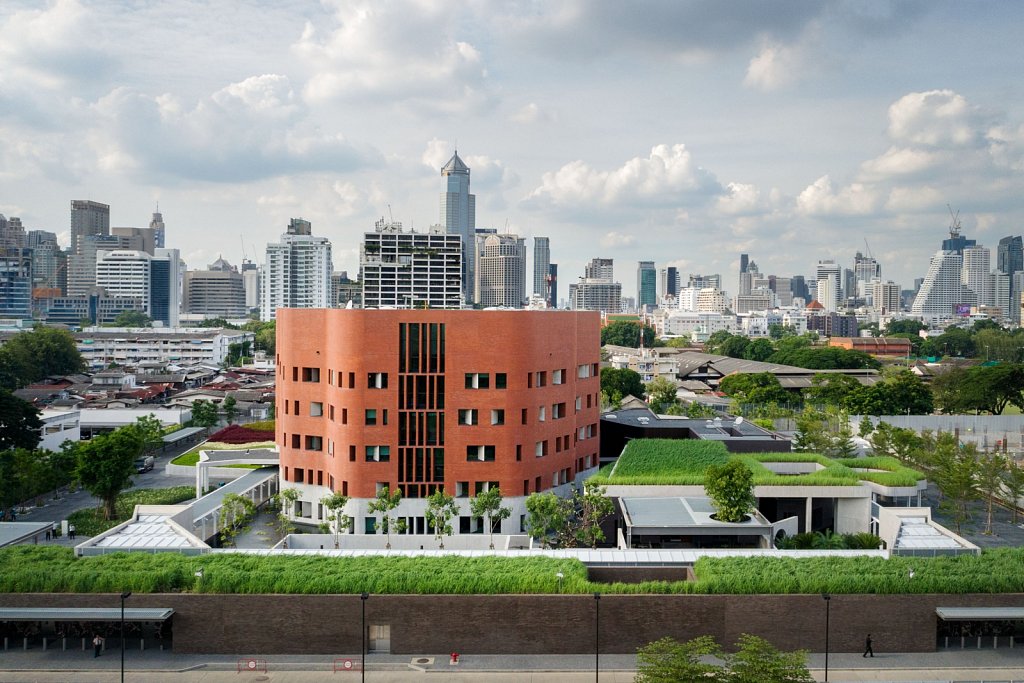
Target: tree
column 989, row 479
column 385, row 503
column 734, row 347
column 28, row 357
column 285, row 500
column 831, row 389
column 487, row 505
column 150, row 431
column 337, row 520
column 661, row 393
column 759, row 350
column 715, row 341
column 238, row 353
column 592, row 508
column 626, row 333
column 547, row 518
column 623, row 382
column 204, row 413
column 106, row 464
column 236, row 512
column 754, row 388
column 265, row 334
column 132, row 319
column 441, row 508
column 900, row 392
column 669, row 661
column 905, row 326
column 229, row 409
column 1013, row 483
column 758, row 661
column 731, row 490
column 20, row 426
column 954, row 469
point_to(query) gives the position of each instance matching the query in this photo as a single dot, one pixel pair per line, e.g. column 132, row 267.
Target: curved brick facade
column 368, row 397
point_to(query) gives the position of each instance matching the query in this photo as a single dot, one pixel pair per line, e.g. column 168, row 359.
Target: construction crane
column 954, row 227
column 870, row 255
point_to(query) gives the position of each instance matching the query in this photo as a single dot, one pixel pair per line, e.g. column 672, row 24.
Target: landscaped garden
column 683, row 463
column 232, row 438
column 46, row 569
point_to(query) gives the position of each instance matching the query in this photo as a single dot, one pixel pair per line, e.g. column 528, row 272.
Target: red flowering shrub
column 238, row 434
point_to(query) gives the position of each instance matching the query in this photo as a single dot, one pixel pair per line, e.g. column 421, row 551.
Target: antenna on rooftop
column 391, row 218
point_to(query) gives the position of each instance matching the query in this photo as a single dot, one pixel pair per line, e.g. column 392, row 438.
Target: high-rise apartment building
column 1010, row 260
column 406, row 269
column 597, row 289
column 458, row 216
column 943, row 289
column 500, row 271
column 251, row 278
column 15, row 283
column 553, row 285
column 669, row 284
column 12, row 233
column 865, row 269
column 217, row 292
column 541, row 266
column 297, row 271
column 428, row 400
column 81, row 270
column 49, row 262
column 153, row 280
column 88, row 218
column 976, row 275
column 885, row 296
column 646, row 285
column 831, row 295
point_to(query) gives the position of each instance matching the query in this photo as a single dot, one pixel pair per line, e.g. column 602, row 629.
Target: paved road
column 157, row 667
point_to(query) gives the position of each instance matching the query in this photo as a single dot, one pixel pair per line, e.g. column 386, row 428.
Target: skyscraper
column 976, row 275
column 646, row 285
column 553, row 286
column 406, row 269
column 458, row 216
column 297, row 271
column 942, row 289
column 217, row 292
column 500, row 271
column 541, row 266
column 12, row 232
column 88, row 218
column 829, row 296
column 157, row 224
column 597, row 290
column 1010, row 260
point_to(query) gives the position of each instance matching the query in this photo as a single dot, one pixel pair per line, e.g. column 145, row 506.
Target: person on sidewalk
column 867, row 647
column 97, row 645
column 71, row 532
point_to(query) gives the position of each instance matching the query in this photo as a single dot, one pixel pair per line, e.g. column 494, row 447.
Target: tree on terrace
column 487, row 505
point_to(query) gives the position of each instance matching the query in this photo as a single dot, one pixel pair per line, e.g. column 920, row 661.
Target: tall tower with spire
column 458, row 216
column 157, row 224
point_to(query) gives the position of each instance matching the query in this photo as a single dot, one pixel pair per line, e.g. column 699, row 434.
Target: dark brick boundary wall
column 533, row 624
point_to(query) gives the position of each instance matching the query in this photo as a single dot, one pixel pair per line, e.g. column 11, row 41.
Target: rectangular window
column 377, row 380
column 316, row 409
column 579, row 403
column 320, row 480
column 541, row 414
column 330, row 381
column 298, row 406
column 311, row 375
column 295, row 374
column 468, row 416
column 557, row 411
column 519, row 451
column 540, row 449
column 378, row 453
column 500, row 380
column 478, row 380
column 351, row 380
column 300, row 475
column 314, row 443
column 330, row 412
column 371, row 417
column 480, row 453
column 541, row 379
column 462, row 489
column 497, row 416
column 344, row 416
column 296, row 441
column 352, row 453
column 558, row 377
column 583, row 371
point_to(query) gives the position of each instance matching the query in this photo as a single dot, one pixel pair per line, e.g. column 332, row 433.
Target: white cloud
column 394, row 53
column 936, row 118
column 740, row 199
column 614, row 240
column 820, row 198
column 530, row 114
column 774, row 66
column 665, row 177
column 899, row 161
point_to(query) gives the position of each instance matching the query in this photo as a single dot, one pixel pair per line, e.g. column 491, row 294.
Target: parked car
column 145, row 464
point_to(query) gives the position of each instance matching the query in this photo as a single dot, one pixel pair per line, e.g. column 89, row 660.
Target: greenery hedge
column 190, row 457
column 44, row 569
column 895, row 474
column 90, row 522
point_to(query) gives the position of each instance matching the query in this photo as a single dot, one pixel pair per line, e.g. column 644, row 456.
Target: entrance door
column 380, row 638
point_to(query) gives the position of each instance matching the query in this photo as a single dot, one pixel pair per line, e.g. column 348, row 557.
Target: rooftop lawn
column 45, row 569
column 683, row 462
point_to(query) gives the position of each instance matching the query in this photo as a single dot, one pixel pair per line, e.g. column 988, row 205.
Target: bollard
column 142, row 644
column 5, row 643
column 44, row 643
column 64, row 644
column 24, row 643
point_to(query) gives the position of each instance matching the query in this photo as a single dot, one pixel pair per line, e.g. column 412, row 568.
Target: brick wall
column 533, row 624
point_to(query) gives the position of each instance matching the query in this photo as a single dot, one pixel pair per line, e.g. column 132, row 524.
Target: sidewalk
column 155, row 666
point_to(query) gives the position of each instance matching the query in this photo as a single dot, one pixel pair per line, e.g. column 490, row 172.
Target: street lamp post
column 597, row 635
column 362, row 652
column 124, row 596
column 828, row 601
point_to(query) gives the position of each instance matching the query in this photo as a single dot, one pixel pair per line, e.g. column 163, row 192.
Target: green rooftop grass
column 49, row 569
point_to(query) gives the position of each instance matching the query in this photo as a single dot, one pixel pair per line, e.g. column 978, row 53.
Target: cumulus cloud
column 820, row 198
column 394, row 53
column 664, row 178
column 255, row 128
column 774, row 67
column 740, row 199
column 530, row 114
column 614, row 240
column 936, row 118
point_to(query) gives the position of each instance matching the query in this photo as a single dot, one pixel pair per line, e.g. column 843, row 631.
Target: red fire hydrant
column 454, row 659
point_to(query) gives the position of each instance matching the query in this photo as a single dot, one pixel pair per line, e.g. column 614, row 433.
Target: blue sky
column 683, row 132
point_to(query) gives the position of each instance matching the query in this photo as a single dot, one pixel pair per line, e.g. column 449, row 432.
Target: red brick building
column 425, row 399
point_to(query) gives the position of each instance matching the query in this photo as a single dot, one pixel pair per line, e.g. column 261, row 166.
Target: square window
column 500, row 380
column 371, row 417
column 462, row 489
column 316, row 409
column 497, row 416
column 377, row 380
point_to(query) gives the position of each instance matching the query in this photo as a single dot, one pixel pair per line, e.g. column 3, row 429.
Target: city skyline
column 795, row 150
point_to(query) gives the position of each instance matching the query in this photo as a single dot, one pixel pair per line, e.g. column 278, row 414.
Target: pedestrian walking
column 49, row 532
column 97, row 645
column 867, row 647
column 71, row 532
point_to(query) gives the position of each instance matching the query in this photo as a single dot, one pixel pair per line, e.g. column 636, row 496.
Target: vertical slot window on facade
column 377, row 380
column 311, row 375
column 352, row 453
column 316, row 409
column 295, row 374
column 468, row 416
column 296, row 441
column 541, row 414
